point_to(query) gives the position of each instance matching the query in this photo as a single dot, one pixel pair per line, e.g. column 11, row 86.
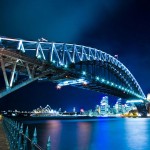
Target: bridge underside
column 142, row 109
column 19, row 70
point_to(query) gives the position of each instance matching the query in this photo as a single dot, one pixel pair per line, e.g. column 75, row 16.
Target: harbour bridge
column 22, row 62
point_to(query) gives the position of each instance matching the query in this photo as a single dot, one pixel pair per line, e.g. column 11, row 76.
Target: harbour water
column 94, row 134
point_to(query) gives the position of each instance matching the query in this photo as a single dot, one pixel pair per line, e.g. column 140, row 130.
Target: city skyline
column 120, row 28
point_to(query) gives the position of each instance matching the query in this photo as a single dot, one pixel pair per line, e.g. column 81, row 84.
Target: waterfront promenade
column 3, row 140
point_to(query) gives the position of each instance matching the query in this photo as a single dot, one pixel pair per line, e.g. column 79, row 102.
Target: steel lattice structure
column 65, row 64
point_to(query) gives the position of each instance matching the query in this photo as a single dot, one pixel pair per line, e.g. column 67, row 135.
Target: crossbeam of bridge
column 23, row 62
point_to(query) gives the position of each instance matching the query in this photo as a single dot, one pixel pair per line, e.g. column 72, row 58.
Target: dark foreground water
column 96, row 134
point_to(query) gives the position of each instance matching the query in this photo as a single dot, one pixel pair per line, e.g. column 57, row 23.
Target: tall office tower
column 97, row 109
column 119, row 101
column 118, row 106
column 104, row 107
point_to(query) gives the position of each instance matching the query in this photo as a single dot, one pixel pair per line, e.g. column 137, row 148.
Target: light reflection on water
column 138, row 133
column 100, row 134
column 84, row 135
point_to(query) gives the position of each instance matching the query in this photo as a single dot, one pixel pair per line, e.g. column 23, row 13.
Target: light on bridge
column 134, row 101
column 97, row 78
column 39, row 56
column 54, row 61
column 83, row 73
column 103, row 80
column 107, row 82
column 125, row 89
column 122, row 88
column 65, row 66
column 58, row 87
column 85, row 83
column 112, row 83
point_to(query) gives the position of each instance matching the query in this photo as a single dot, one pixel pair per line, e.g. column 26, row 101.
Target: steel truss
column 19, row 70
column 62, row 55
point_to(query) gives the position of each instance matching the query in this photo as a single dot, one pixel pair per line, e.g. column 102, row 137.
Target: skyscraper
column 104, row 107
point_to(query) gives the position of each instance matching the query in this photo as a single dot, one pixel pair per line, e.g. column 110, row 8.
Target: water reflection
column 54, row 128
column 84, row 135
column 137, row 133
column 104, row 134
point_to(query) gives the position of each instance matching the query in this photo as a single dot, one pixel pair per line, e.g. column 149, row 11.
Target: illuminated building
column 97, row 110
column 46, row 111
column 148, row 96
column 119, row 102
column 104, row 107
column 74, row 110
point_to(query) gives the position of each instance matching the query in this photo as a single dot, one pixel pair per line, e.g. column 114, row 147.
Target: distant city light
column 81, row 110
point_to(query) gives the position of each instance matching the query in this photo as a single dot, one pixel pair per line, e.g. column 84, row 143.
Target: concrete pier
column 3, row 140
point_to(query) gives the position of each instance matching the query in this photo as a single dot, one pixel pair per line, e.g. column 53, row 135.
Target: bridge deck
column 3, row 140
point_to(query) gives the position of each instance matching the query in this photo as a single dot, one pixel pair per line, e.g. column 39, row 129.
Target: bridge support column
column 141, row 107
column 4, row 73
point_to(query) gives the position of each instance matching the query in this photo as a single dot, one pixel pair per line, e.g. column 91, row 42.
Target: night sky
column 119, row 27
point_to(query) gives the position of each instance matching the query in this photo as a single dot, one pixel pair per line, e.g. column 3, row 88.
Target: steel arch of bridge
column 63, row 55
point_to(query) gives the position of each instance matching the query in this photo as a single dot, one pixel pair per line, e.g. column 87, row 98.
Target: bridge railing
column 18, row 139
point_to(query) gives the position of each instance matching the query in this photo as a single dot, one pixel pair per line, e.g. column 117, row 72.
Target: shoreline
column 36, row 118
